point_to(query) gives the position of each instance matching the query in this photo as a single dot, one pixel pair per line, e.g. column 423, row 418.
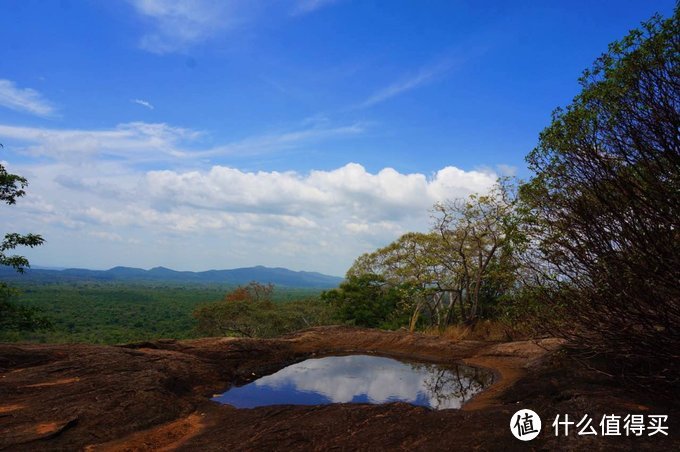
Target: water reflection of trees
column 445, row 385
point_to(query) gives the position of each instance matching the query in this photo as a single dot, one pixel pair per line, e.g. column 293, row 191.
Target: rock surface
column 156, row 396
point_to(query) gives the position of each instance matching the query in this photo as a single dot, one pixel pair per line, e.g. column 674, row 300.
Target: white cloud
column 424, row 76
column 143, row 103
column 343, row 379
column 105, row 235
column 94, row 202
column 507, row 170
column 24, row 99
column 224, row 217
column 179, row 24
column 136, row 142
column 349, row 191
column 284, row 140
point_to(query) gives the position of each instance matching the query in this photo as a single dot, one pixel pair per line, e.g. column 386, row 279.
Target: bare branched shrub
column 605, row 205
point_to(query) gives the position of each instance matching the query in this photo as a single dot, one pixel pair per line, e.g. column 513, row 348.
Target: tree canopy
column 250, row 311
column 462, row 267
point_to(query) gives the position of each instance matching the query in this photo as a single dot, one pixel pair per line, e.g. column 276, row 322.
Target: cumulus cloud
column 225, row 217
column 24, row 99
column 349, row 199
column 96, row 204
column 349, row 190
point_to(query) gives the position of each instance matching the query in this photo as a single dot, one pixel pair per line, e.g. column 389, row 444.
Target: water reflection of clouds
column 344, row 379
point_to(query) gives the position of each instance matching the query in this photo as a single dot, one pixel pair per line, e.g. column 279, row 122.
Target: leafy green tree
column 410, row 265
column 245, row 311
column 605, row 206
column 15, row 317
column 249, row 311
column 252, row 292
column 461, row 268
column 365, row 300
column 481, row 238
column 12, row 187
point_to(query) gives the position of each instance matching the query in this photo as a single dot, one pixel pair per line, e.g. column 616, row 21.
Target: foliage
column 605, row 205
column 18, row 317
column 409, row 265
column 15, row 317
column 249, row 311
column 366, row 300
column 114, row 312
column 481, row 236
column 252, row 292
column 13, row 240
column 12, row 187
column 460, row 269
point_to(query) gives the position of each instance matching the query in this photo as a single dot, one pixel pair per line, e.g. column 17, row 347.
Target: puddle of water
column 362, row 379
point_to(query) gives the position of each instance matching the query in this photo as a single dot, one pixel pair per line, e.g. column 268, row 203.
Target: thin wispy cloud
column 425, row 75
column 143, row 103
column 506, row 170
column 129, row 142
column 138, row 142
column 302, row 7
column 26, row 100
column 176, row 25
column 283, row 140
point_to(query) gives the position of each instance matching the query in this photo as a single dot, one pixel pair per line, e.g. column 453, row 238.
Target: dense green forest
column 110, row 313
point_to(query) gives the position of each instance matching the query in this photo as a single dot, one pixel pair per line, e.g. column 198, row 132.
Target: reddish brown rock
column 156, row 396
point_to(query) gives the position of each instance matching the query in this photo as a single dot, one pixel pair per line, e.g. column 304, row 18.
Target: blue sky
column 299, row 133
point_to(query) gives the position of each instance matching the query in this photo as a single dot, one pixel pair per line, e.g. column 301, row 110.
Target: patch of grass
column 484, row 330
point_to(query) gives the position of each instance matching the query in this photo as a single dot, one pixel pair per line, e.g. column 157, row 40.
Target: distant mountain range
column 276, row 276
